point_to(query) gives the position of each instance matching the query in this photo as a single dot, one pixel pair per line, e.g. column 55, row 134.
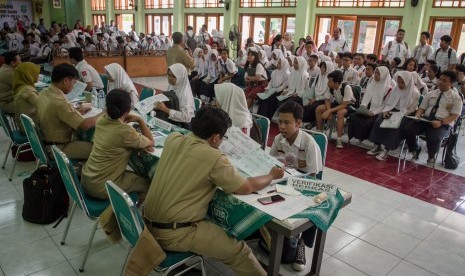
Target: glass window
column 461, row 45
column 275, row 28
column 97, row 19
column 213, row 21
column 290, row 25
column 440, row 28
column 362, row 3
column 348, row 27
column 449, row 3
column 324, row 28
column 390, row 30
column 159, row 4
column 267, row 3
column 159, row 23
column 98, row 5
column 367, row 36
column 124, row 22
column 124, row 4
column 245, row 26
column 259, row 24
column 203, row 4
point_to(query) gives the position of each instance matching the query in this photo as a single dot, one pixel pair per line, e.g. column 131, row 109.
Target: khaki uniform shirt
column 113, row 144
column 187, row 175
column 6, row 84
column 177, row 55
column 57, row 117
column 25, row 103
column 450, row 103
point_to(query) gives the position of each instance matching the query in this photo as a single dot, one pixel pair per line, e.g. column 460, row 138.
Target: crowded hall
column 232, row 137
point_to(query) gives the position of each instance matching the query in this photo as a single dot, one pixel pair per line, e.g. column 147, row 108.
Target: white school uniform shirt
column 304, row 154
column 183, row 91
column 45, row 50
column 398, row 49
column 339, row 45
column 91, row 48
column 450, row 103
column 259, row 71
column 350, row 76
column 338, row 97
column 431, row 83
column 442, row 58
column 313, row 72
column 34, row 50
column 87, row 73
column 360, row 70
column 422, row 52
column 227, row 67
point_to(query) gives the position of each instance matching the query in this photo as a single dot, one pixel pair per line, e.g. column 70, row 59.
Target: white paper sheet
column 145, row 106
column 283, row 97
column 419, row 119
column 237, row 145
column 91, row 113
column 393, row 121
column 77, row 91
column 268, row 93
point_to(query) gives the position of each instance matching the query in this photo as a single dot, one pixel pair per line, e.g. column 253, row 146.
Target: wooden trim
column 461, row 5
column 206, row 15
column 359, row 7
column 455, row 31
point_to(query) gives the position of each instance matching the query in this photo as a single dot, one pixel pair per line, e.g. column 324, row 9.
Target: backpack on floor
column 451, row 159
column 45, row 197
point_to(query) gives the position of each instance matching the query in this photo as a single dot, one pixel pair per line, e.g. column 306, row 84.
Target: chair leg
column 7, row 153
column 73, row 208
column 126, row 259
column 16, row 159
column 89, row 244
column 202, row 266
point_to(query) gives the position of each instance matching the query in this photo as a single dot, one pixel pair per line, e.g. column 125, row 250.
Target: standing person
column 231, row 99
column 272, row 36
column 422, row 51
column 41, row 27
column 324, row 46
column 204, row 36
column 442, row 107
column 12, row 60
column 256, row 79
column 119, row 79
column 396, row 48
column 87, row 73
column 337, row 43
column 178, row 53
column 445, row 56
column 179, row 83
column 190, row 38
column 196, row 159
column 114, row 142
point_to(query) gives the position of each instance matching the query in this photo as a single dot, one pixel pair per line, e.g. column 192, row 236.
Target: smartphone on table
column 271, row 199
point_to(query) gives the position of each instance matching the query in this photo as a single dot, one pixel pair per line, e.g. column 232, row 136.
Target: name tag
column 312, row 185
column 161, row 124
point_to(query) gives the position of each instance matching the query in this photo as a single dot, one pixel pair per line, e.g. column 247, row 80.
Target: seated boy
column 301, row 152
column 337, row 99
column 349, row 74
column 226, row 66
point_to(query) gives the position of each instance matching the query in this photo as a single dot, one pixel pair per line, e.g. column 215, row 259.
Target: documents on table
column 158, row 138
column 77, row 91
column 91, row 113
column 146, row 105
column 419, row 119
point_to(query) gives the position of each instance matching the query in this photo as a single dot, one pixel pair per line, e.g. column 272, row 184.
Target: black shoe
column 416, row 154
column 300, row 261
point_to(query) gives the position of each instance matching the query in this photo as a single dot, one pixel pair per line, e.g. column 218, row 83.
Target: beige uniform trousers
column 208, row 239
column 129, row 182
column 8, row 107
column 74, row 150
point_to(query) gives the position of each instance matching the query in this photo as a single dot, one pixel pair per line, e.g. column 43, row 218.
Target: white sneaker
column 375, row 150
column 430, row 162
column 383, row 155
column 339, row 143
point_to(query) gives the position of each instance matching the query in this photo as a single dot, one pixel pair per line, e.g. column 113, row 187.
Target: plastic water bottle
column 94, row 98
column 101, row 99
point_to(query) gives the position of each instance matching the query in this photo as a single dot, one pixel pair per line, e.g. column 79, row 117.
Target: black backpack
column 45, row 197
column 173, row 103
column 191, row 43
column 256, row 132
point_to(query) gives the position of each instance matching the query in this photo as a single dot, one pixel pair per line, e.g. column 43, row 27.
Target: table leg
column 318, row 252
column 276, row 250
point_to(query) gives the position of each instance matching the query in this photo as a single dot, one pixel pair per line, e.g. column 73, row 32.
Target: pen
column 255, row 193
column 272, row 191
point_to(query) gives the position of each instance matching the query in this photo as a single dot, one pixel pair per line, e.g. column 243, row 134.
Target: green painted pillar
column 178, row 16
column 412, row 22
column 231, row 17
column 302, row 18
column 87, row 20
column 139, row 17
column 110, row 12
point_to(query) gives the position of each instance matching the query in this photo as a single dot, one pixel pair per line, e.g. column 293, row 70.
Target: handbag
column 45, row 197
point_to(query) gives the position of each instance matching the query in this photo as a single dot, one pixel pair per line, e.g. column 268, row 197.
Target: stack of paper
column 145, row 106
column 77, row 91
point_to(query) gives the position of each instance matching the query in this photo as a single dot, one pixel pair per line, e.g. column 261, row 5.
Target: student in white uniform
column 299, row 81
column 442, row 106
column 201, row 70
column 337, row 43
column 359, row 64
column 206, row 88
column 226, row 67
column 349, row 74
column 410, row 65
column 422, row 51
column 431, row 79
column 119, row 79
column 396, row 48
column 87, row 73
column 231, row 99
column 445, row 56
column 313, row 69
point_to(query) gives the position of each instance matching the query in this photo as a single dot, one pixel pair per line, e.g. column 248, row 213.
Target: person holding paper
column 179, row 83
column 337, row 100
column 278, row 83
column 231, row 99
column 190, row 169
column 119, row 79
column 256, row 79
column 58, row 119
column 299, row 82
column 114, row 142
column 403, row 98
column 298, row 150
column 442, row 107
column 24, row 92
column 276, row 55
column 87, row 73
column 373, row 101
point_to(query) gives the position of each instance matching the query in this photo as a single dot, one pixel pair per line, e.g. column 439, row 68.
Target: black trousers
column 434, row 136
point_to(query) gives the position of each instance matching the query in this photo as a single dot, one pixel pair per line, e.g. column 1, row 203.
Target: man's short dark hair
column 431, row 61
column 190, row 28
column 427, row 34
column 210, row 120
column 359, row 55
column 372, row 65
column 294, row 108
column 400, row 31
column 336, row 76
column 450, row 74
column 314, row 56
column 10, row 57
column 460, row 68
column 76, row 54
column 224, row 50
column 348, row 55
column 309, row 42
column 397, row 60
column 177, row 37
column 446, row 38
column 100, row 34
column 373, row 57
column 62, row 71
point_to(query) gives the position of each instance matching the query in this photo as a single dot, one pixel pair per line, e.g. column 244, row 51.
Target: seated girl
column 264, row 59
column 226, row 67
column 200, row 69
column 377, row 91
column 299, row 81
column 278, row 83
column 241, row 58
column 114, row 142
column 256, row 79
column 431, row 79
column 403, row 98
column 206, row 88
column 231, row 99
column 119, row 79
column 179, row 83
column 275, row 57
column 411, row 65
column 25, row 94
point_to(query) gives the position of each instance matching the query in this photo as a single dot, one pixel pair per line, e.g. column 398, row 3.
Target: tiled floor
column 400, row 223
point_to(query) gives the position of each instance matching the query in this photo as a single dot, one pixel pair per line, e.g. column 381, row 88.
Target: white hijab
column 121, row 80
column 264, row 58
column 279, row 55
column 376, row 90
column 267, row 50
column 299, row 78
column 231, row 98
column 405, row 97
column 278, row 76
column 212, row 65
column 195, row 54
column 244, row 57
column 183, row 90
column 322, row 83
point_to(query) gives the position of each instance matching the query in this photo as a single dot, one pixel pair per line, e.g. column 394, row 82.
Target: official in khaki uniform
column 188, row 173
column 12, row 60
column 58, row 119
column 177, row 54
column 114, row 142
column 24, row 92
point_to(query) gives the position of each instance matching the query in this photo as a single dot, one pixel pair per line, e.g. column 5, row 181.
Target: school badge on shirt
column 84, row 73
column 302, row 163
